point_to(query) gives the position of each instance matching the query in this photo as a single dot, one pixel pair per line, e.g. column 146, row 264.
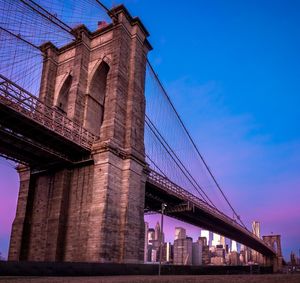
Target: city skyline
column 190, row 230
column 237, row 90
column 185, row 250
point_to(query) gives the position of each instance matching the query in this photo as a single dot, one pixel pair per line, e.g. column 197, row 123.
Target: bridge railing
column 21, row 101
column 167, row 185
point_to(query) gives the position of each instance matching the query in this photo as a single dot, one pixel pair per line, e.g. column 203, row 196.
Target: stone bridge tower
column 274, row 241
column 91, row 211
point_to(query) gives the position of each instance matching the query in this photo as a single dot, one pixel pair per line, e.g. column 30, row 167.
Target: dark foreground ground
column 265, row 278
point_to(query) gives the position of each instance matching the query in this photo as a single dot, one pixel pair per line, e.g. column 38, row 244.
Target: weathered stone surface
column 274, row 241
column 91, row 211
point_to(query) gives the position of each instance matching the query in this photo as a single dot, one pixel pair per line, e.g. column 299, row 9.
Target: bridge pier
column 118, row 198
column 18, row 225
column 91, row 210
column 274, row 241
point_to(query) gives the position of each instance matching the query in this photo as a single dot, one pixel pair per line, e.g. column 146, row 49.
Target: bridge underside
column 178, row 208
column 27, row 141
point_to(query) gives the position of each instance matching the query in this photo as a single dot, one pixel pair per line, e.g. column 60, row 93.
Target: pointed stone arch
column 274, row 241
column 95, row 99
column 63, row 94
column 105, row 59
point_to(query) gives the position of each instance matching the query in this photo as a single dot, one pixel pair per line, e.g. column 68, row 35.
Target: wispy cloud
column 259, row 174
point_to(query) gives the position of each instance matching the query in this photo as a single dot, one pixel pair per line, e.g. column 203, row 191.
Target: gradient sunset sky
column 232, row 69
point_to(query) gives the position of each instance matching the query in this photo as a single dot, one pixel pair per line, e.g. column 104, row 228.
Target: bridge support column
column 117, row 209
column 18, row 224
column 39, row 227
column 277, row 264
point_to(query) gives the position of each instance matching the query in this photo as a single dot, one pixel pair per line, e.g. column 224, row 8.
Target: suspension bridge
column 98, row 140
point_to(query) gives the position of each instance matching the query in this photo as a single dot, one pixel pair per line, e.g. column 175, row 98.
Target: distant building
column 226, row 249
column 180, row 233
column 157, row 231
column 197, row 253
column 217, row 260
column 151, row 236
column 146, row 242
column 293, row 258
column 233, row 246
column 167, row 253
column 223, row 242
column 182, row 247
column 220, row 251
column 217, row 254
column 256, row 228
column 216, row 240
column 154, row 255
column 205, row 255
column 206, row 234
column 234, row 258
column 242, row 257
column 256, row 256
column 203, row 241
column 245, row 255
column 153, row 246
column 205, row 250
column 227, row 258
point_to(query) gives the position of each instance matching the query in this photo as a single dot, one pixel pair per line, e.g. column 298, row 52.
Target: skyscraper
column 206, row 233
column 233, row 246
column 167, row 255
column 256, row 228
column 183, row 251
column 151, row 236
column 205, row 250
column 180, row 233
column 197, row 253
column 146, row 242
column 256, row 231
column 216, row 240
column 223, row 242
column 151, row 243
column 157, row 231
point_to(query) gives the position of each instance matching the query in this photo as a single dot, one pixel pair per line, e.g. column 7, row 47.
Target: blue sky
column 232, row 69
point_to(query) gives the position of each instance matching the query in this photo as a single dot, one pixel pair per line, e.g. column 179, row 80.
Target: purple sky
column 232, row 69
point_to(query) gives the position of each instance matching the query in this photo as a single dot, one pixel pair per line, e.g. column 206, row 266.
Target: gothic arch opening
column 274, row 245
column 63, row 96
column 96, row 98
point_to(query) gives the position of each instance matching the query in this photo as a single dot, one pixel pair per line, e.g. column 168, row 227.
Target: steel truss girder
column 21, row 101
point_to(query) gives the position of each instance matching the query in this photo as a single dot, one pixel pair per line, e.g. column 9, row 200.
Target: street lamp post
column 163, row 207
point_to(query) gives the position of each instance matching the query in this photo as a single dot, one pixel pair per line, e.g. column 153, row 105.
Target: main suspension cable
column 164, row 143
column 193, row 143
column 154, row 131
column 18, row 36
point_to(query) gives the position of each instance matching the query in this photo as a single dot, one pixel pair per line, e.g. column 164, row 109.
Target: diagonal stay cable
column 156, row 166
column 180, row 162
column 193, row 143
column 177, row 160
column 47, row 15
column 17, row 36
column 112, row 15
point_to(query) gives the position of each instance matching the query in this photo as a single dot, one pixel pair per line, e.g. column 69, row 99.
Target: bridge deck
column 41, row 135
column 190, row 209
column 36, row 133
